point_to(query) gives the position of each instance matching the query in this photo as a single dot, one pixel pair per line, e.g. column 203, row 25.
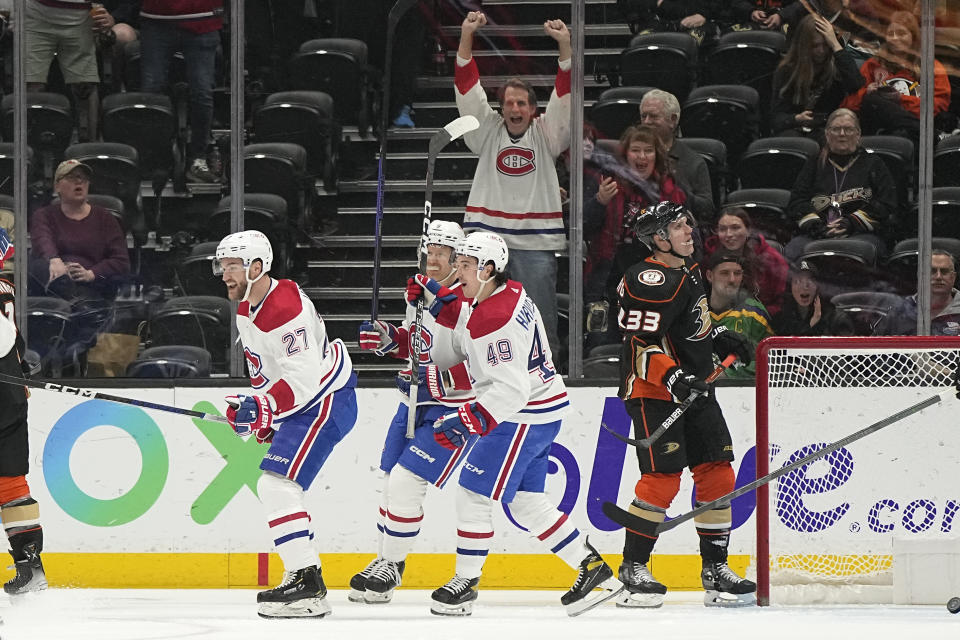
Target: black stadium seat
column 616, row 109
column 723, row 111
column 199, row 321
column 842, row 263
column 667, row 61
column 897, row 153
column 946, row 162
column 266, row 212
column 173, row 361
column 305, row 118
column 774, row 163
column 337, row 67
column 49, row 127
column 901, row 265
column 146, row 122
column 279, row 168
column 747, row 58
column 767, row 209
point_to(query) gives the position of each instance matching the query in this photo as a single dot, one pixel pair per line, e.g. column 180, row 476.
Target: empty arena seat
column 726, row 112
column 775, row 162
column 746, row 58
column 279, row 168
column 172, row 361
column 714, row 153
column 897, row 154
column 146, row 122
column 199, row 321
column 49, row 126
column 767, row 209
column 616, row 109
column 667, row 61
column 946, row 162
column 844, row 263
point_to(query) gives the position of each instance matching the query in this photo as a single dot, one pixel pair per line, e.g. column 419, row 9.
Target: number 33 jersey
column 509, row 358
column 666, row 322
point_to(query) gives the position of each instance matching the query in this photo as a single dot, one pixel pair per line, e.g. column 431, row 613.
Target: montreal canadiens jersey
column 666, row 322
column 440, row 343
column 510, row 361
column 288, row 354
column 13, row 398
column 515, row 191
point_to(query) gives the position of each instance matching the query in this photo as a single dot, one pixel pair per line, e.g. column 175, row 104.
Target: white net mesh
column 832, row 522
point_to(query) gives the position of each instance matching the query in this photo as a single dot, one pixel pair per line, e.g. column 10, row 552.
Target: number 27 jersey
column 666, row 322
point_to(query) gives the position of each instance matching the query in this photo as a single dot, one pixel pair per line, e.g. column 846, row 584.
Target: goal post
column 826, row 531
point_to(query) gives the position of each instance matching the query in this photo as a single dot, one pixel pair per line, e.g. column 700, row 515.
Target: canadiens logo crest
column 426, row 343
column 515, row 161
column 651, row 277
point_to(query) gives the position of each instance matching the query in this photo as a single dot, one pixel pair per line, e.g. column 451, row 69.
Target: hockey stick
column 679, row 411
column 648, row 528
column 96, row 395
column 393, row 18
column 443, row 137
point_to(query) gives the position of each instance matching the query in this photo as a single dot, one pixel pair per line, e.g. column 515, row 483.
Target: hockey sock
column 713, row 480
column 404, row 513
column 288, row 520
column 21, row 522
column 713, row 527
column 382, row 513
column 474, row 532
column 636, row 547
column 550, row 526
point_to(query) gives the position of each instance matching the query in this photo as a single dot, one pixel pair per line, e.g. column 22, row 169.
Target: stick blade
column 461, row 126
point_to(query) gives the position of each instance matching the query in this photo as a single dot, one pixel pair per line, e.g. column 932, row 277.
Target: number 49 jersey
column 666, row 322
column 510, row 361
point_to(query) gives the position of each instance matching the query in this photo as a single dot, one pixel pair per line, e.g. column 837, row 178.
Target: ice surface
column 128, row 614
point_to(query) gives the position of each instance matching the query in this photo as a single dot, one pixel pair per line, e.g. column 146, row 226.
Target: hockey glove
column 681, row 384
column 378, row 336
column 726, row 342
column 442, row 295
column 454, row 429
column 404, row 378
column 251, row 414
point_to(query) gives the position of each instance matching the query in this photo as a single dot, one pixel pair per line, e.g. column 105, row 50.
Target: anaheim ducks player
column 667, row 353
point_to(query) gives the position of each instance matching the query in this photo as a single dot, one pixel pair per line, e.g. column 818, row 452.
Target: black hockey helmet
column 655, row 219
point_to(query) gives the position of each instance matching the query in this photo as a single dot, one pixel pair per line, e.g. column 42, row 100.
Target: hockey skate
column 385, row 578
column 30, row 575
column 455, row 598
column 358, row 583
column 302, row 594
column 594, row 574
column 642, row 589
column 724, row 588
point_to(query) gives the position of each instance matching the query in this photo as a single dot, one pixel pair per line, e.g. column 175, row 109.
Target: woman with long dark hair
column 813, row 78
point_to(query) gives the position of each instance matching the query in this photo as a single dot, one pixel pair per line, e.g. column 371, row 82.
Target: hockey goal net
column 825, row 531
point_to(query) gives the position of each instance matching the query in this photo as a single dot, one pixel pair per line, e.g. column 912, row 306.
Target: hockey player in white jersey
column 520, row 401
column 412, row 465
column 302, row 402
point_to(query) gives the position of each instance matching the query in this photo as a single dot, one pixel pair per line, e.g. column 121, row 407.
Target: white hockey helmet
column 485, row 247
column 246, row 245
column 444, row 233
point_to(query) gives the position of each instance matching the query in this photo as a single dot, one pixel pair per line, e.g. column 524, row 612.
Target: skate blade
column 34, row 586
column 723, row 599
column 306, row 608
column 355, row 595
column 440, row 609
column 375, row 597
column 607, row 590
column 628, row 600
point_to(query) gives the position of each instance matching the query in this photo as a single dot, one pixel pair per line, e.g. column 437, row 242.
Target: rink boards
column 139, row 498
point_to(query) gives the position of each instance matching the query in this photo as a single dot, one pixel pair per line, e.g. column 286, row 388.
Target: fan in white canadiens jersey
column 411, row 465
column 301, row 403
column 514, row 418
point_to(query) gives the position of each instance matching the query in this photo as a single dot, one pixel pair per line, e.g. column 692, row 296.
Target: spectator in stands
column 944, row 302
column 813, row 78
column 118, row 27
column 749, row 15
column 642, row 178
column 735, row 235
column 515, row 191
column 192, row 27
column 78, row 249
column 803, row 311
column 890, row 101
column 661, row 110
column 732, row 305
column 844, row 192
column 65, row 31
column 686, row 16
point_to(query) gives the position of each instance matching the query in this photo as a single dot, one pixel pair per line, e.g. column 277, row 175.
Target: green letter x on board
column 243, row 459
